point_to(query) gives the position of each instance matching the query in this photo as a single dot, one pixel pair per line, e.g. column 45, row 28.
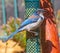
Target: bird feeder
column 32, row 44
column 49, row 35
column 30, row 7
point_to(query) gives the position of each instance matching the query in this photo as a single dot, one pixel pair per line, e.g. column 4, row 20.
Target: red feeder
column 49, row 35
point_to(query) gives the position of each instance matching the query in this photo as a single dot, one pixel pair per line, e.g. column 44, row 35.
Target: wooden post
column 49, row 35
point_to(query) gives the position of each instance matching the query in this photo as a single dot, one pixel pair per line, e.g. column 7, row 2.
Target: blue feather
column 26, row 22
column 29, row 21
column 5, row 38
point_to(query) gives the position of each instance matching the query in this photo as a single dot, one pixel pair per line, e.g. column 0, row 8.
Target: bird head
column 39, row 11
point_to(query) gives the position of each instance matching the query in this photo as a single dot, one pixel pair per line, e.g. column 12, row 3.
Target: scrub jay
column 33, row 22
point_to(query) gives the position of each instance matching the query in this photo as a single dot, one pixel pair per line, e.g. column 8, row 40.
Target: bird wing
column 28, row 21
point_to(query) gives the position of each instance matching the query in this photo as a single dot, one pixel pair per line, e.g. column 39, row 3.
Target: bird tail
column 11, row 35
column 3, row 37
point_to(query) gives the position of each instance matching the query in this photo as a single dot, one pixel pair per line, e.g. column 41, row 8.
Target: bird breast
column 31, row 26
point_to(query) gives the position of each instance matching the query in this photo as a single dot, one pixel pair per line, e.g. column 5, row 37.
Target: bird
column 33, row 22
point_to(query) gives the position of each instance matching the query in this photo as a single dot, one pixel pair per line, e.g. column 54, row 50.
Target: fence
column 16, row 9
column 4, row 10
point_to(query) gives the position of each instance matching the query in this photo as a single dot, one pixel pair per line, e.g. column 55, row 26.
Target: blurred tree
column 10, row 28
column 58, row 20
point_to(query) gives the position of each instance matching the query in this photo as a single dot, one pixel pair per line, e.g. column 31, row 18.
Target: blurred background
column 9, row 6
column 57, row 13
column 10, row 26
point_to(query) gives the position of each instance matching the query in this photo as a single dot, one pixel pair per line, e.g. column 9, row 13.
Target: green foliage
column 10, row 27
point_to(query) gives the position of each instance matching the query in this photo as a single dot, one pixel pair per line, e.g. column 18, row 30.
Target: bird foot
column 36, row 34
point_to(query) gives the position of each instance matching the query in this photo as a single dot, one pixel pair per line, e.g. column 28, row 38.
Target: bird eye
column 38, row 12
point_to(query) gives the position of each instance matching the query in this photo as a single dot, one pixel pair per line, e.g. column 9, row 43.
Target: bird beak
column 42, row 10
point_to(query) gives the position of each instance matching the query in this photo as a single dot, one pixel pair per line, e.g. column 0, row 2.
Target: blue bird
column 33, row 22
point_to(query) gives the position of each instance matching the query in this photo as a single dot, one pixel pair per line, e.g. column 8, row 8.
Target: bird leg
column 34, row 33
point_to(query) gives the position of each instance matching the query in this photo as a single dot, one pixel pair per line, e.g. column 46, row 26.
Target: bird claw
column 36, row 34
